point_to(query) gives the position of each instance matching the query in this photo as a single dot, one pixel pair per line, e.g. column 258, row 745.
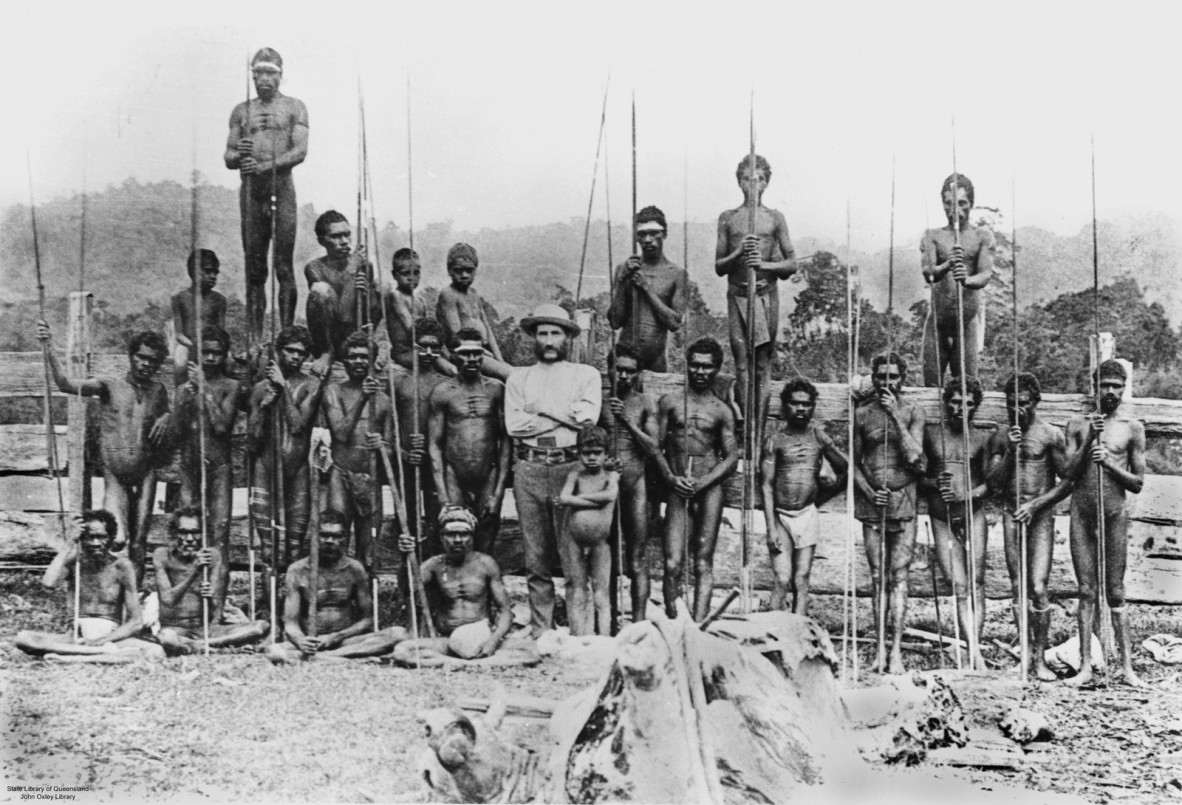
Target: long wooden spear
column 752, row 386
column 198, row 269
column 251, row 525
column 1101, row 529
column 1020, row 528
column 278, row 511
column 965, row 434
column 849, row 642
column 883, row 569
column 591, row 198
column 81, row 321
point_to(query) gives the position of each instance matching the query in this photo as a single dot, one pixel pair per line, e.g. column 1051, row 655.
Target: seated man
column 341, row 625
column 179, row 568
column 107, row 592
column 463, row 586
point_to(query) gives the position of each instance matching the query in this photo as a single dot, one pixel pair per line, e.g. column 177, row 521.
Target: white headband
column 266, row 65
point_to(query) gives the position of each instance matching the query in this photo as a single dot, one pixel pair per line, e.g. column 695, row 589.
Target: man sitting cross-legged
column 463, row 587
column 107, row 592
column 344, row 608
column 178, row 572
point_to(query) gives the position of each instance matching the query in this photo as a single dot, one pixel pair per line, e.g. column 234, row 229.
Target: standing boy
column 590, row 496
column 184, row 309
column 459, row 306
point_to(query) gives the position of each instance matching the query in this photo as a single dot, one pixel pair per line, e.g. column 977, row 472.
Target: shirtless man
column 790, row 471
column 888, row 462
column 179, row 568
column 268, row 137
column 970, row 266
column 469, row 448
column 770, row 253
column 344, row 608
column 651, row 293
column 413, row 428
column 699, row 455
column 459, row 306
column 109, row 615
column 220, row 410
column 948, row 505
column 464, row 587
column 357, row 414
column 632, row 417
column 1112, row 446
column 401, row 307
column 184, row 309
column 133, row 430
column 1043, row 450
column 338, row 283
column 296, row 395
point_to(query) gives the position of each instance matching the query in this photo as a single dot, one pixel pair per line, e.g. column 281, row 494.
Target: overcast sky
column 506, row 98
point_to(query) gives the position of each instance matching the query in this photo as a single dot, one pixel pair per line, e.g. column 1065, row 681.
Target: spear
column 278, row 513
column 850, row 600
column 414, row 560
column 251, row 526
column 198, row 266
column 81, row 317
column 751, row 389
column 1023, row 546
column 883, row 570
column 1101, row 530
column 47, row 410
column 591, row 199
column 970, row 558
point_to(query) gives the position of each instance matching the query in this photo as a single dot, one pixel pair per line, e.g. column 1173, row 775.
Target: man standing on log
column 133, row 430
column 222, row 395
column 888, row 462
column 949, row 504
column 179, row 568
column 546, row 405
column 413, row 409
column 965, row 253
column 109, row 617
column 295, row 396
column 1043, row 454
column 357, row 414
column 343, row 621
column 792, row 491
column 468, row 446
column 338, row 283
column 632, row 417
column 1112, row 446
column 769, row 251
column 697, row 433
column 651, row 293
column 268, row 137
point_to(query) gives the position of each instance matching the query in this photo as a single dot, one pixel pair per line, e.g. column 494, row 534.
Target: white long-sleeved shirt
column 570, row 390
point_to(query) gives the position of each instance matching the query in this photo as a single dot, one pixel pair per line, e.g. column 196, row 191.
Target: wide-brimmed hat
column 550, row 313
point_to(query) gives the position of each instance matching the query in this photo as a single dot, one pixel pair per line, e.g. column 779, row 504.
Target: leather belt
column 545, row 455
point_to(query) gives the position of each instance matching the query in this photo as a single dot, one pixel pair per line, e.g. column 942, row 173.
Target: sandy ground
column 233, row 728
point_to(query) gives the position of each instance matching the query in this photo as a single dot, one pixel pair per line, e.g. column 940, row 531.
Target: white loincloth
column 803, row 526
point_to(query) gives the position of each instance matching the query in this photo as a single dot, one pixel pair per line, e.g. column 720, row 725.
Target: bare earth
column 233, row 728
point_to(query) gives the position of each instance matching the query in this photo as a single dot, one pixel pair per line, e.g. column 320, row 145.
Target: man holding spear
column 268, row 137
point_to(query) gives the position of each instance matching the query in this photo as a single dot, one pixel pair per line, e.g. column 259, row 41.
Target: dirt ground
column 233, row 728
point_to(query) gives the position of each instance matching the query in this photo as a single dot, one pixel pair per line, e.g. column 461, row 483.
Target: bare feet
column 896, row 666
column 1129, row 677
column 1084, row 677
column 1043, row 673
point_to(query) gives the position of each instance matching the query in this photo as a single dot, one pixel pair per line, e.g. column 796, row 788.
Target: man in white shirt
column 546, row 405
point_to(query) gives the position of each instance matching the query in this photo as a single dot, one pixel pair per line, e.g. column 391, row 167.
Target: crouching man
column 341, row 625
column 109, row 616
column 463, row 587
column 179, row 568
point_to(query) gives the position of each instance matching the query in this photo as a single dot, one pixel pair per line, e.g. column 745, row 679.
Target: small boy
column 590, row 493
column 402, row 306
column 459, row 306
column 965, row 253
column 766, row 249
column 184, row 310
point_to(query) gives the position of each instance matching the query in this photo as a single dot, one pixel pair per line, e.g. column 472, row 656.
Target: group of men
column 428, row 405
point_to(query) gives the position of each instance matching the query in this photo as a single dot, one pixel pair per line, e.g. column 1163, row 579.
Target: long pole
column 970, row 557
column 81, row 322
column 849, row 643
column 250, row 459
column 313, row 549
column 414, row 364
column 752, row 386
column 686, row 341
column 591, row 198
column 883, row 569
column 197, row 327
column 1019, row 528
column 1101, row 530
column 278, row 511
column 365, row 204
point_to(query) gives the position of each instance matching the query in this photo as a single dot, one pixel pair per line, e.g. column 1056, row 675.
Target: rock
column 1024, row 726
column 465, row 641
column 467, row 761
